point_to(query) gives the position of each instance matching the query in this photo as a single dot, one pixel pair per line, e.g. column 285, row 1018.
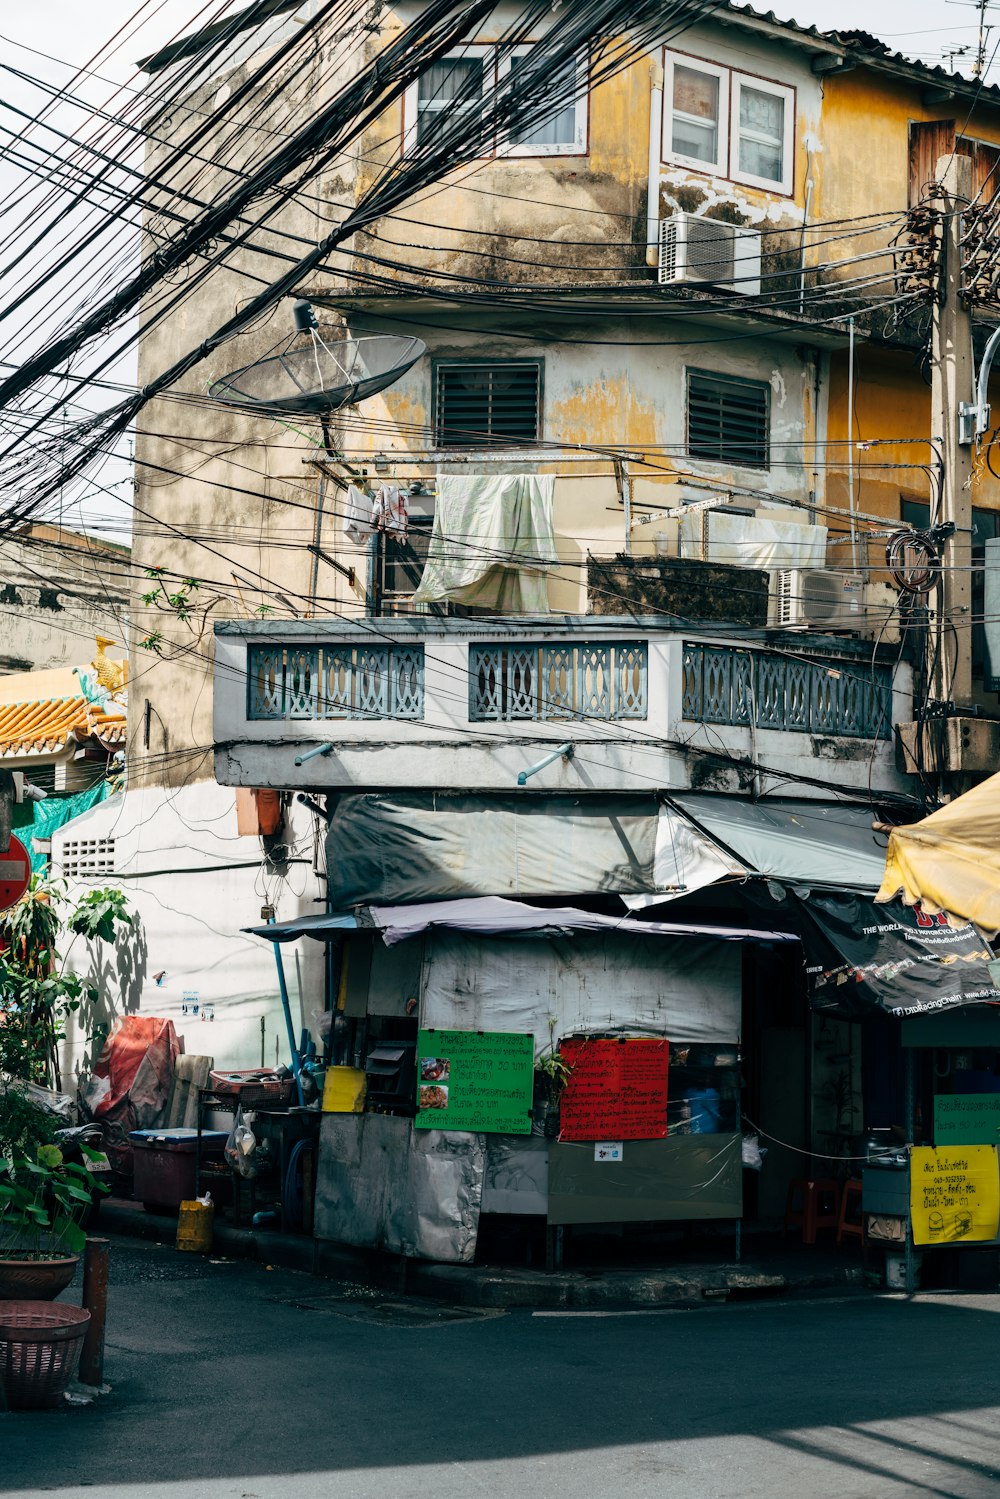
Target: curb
column 481, row 1286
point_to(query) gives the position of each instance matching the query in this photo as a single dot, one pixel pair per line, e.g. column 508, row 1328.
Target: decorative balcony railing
column 605, row 681
column 335, row 681
column 726, row 685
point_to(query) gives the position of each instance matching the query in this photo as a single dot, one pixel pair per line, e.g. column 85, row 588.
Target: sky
column 51, row 39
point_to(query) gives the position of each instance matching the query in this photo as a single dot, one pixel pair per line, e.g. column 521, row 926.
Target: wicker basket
column 40, row 1345
column 36, row 1275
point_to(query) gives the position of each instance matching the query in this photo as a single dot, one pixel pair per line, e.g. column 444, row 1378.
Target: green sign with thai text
column 475, row 1080
column 967, row 1119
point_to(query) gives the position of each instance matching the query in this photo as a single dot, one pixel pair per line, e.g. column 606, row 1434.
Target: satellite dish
column 308, row 373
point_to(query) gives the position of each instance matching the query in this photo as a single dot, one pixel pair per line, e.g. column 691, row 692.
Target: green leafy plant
column 44, row 1201
column 36, row 996
column 99, row 914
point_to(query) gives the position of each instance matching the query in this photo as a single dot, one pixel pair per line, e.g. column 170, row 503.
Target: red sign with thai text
column 616, row 1089
column 15, row 873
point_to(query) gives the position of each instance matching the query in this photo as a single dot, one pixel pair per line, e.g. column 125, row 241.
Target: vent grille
column 87, row 858
column 728, row 420
column 479, row 404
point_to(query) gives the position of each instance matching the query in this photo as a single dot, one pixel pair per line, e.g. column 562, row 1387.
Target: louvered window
column 479, row 404
column 728, row 419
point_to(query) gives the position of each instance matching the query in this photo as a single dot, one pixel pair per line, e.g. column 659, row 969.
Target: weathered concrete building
column 657, row 325
column 59, row 591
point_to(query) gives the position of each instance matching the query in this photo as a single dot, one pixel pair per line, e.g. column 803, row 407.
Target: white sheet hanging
column 492, row 543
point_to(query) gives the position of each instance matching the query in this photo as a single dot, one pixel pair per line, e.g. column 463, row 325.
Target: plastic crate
column 253, row 1087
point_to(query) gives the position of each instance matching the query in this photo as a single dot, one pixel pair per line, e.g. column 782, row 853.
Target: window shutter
column 728, row 419
column 479, row 404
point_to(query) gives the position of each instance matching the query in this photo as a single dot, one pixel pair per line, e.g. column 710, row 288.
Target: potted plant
column 44, row 1201
column 551, row 1077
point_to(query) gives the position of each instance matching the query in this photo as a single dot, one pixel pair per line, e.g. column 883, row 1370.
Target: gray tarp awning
column 407, row 848
column 321, row 927
column 443, row 846
column 491, row 916
column 797, row 842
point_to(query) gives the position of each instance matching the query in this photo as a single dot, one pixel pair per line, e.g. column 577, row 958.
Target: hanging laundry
column 390, row 513
column 493, row 543
column 357, row 516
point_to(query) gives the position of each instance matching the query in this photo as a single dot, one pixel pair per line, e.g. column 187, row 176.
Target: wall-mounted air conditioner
column 706, row 252
column 808, row 598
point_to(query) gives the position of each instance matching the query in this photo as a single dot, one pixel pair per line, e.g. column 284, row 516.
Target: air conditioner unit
column 706, row 252
column 806, row 598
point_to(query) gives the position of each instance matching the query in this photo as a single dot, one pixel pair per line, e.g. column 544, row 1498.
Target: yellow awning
column 951, row 860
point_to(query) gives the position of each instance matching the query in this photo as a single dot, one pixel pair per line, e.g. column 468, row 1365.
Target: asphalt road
column 235, row 1382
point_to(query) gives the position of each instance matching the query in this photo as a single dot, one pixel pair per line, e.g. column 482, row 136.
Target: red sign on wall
column 617, row 1089
column 15, row 873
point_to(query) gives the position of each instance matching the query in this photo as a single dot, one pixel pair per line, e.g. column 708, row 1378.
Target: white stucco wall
column 192, row 883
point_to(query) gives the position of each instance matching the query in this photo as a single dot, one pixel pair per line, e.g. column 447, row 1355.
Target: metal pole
column 909, row 1109
column 851, row 503
column 95, row 1301
column 952, row 375
column 287, row 1009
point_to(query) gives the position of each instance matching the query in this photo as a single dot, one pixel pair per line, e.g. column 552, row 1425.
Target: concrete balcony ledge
column 469, row 704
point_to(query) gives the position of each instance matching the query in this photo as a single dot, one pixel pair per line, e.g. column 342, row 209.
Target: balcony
column 427, row 703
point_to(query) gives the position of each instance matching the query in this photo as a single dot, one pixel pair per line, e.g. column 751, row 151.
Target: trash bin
column 165, row 1164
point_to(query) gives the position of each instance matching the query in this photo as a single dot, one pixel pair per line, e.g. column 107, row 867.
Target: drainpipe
column 653, row 169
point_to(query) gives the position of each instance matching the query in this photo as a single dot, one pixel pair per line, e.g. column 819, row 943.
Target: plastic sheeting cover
column 951, row 860
column 760, row 541
column 803, row 843
column 492, row 916
column 395, row 849
column 685, row 860
column 382, row 1185
column 679, row 987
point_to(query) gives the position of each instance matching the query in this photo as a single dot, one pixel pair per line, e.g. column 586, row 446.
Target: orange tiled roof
column 48, row 724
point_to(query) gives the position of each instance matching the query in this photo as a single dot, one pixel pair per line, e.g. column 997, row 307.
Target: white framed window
column 457, row 82
column 696, row 114
column 462, row 80
column 763, row 144
column 559, row 128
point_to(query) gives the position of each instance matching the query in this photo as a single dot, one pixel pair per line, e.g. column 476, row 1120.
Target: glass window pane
column 558, row 129
column 454, row 83
column 692, row 139
column 696, row 94
column 760, row 159
column 762, row 113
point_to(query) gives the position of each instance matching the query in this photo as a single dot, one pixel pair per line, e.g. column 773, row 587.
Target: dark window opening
column 728, row 419
column 485, row 405
column 985, row 525
column 400, row 566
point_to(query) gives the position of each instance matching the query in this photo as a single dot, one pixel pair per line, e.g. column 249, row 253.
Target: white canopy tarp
column 683, row 989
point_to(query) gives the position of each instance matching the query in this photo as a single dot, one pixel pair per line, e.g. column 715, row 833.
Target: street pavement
column 232, row 1381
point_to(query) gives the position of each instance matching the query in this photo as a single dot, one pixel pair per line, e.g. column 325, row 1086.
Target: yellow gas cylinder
column 194, row 1226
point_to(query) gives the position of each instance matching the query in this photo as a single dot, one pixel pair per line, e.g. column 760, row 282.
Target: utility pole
column 952, row 380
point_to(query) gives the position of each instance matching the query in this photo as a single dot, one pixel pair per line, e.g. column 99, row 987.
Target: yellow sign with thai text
column 954, row 1194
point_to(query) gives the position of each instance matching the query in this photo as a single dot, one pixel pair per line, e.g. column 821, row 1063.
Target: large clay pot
column 35, row 1275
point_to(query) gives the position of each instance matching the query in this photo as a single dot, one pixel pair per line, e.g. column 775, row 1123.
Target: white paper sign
column 607, row 1150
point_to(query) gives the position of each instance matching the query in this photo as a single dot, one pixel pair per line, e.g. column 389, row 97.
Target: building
column 61, row 589
column 635, row 640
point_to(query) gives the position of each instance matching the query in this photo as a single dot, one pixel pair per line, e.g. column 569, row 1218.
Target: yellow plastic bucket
column 194, row 1226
